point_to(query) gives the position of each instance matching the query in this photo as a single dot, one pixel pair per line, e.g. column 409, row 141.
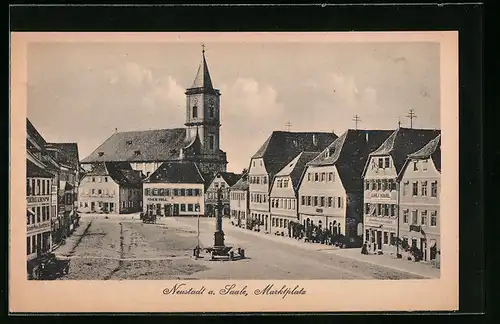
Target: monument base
column 219, row 238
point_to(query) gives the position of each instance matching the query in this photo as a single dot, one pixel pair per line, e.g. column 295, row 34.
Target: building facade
column 111, row 188
column 276, row 152
column 198, row 142
column 222, row 181
column 381, row 198
column 420, row 188
column 239, row 203
column 174, row 189
column 284, row 190
column 331, row 191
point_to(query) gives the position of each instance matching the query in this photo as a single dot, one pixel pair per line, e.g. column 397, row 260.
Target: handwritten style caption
column 234, row 290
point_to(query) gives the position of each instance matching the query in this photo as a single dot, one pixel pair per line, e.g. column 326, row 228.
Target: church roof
column 349, row 154
column 68, row 153
column 176, row 172
column 202, row 79
column 404, row 141
column 281, row 147
column 150, row 145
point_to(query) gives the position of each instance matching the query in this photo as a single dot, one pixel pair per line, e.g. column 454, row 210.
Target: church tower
column 203, row 119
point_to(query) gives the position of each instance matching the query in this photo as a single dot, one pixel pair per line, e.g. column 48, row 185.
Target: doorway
column 168, row 211
column 92, row 206
column 379, row 240
column 423, row 248
column 158, row 209
column 176, row 209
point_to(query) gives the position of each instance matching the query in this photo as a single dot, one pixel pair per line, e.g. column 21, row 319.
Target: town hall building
column 198, row 142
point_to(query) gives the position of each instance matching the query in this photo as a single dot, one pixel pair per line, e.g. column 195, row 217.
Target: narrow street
column 123, row 248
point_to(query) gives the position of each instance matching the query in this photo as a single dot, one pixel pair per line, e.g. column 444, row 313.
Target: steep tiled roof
column 230, row 177
column 33, row 170
column 67, row 153
column 123, row 174
column 242, row 183
column 97, row 169
column 295, row 168
column 150, row 145
column 430, row 150
column 349, row 154
column 30, row 129
column 281, row 147
column 176, row 172
column 404, row 141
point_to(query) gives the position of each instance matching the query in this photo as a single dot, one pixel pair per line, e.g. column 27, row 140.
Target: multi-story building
column 380, row 185
column 174, row 189
column 239, row 201
column 331, row 191
column 284, row 204
column 276, row 152
column 222, row 181
column 198, row 142
column 38, row 216
column 111, row 188
column 419, row 193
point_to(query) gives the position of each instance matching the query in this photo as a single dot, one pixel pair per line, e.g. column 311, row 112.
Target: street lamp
column 198, row 220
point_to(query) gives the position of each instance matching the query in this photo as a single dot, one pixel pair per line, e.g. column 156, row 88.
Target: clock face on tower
column 195, row 101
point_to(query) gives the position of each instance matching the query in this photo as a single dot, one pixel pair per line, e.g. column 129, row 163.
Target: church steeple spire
column 202, row 79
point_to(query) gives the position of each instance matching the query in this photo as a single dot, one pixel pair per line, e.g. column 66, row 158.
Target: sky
column 80, row 92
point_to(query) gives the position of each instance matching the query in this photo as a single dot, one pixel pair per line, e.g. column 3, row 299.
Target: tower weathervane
column 203, row 48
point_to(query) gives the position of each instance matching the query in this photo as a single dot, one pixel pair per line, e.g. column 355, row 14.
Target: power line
column 288, row 125
column 411, row 115
column 356, row 119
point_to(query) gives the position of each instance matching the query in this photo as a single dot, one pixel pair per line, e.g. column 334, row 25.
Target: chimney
column 366, row 137
column 315, row 140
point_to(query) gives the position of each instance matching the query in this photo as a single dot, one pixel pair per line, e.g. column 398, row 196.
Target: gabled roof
column 349, row 154
column 121, row 172
column 68, row 153
column 242, row 183
column 150, row 145
column 431, row 150
column 404, row 141
column 295, row 168
column 230, row 177
column 281, row 147
column 30, row 129
column 202, row 79
column 176, row 172
column 34, row 171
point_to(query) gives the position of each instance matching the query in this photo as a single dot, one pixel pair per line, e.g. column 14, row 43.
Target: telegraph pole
column 356, row 119
column 411, row 115
column 288, row 125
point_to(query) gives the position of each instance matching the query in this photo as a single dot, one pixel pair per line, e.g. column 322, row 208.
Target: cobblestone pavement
column 123, row 248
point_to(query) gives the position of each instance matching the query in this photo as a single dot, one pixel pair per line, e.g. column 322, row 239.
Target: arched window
column 195, row 112
column 211, row 142
column 211, row 112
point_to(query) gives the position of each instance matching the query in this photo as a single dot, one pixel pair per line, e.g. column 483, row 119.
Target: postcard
column 234, row 172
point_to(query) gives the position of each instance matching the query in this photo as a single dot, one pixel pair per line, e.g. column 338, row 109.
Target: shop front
column 381, row 234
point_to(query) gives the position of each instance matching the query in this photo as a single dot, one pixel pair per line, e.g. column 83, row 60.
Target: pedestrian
column 363, row 249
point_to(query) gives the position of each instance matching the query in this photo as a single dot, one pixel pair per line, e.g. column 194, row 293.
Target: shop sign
column 377, row 221
column 157, row 199
column 37, row 199
column 380, row 195
column 38, row 226
column 319, row 210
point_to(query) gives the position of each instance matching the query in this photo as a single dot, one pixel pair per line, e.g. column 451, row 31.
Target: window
column 183, row 193
column 424, row 164
column 38, row 214
column 405, row 216
column 279, row 184
column 286, row 183
column 434, row 188
column 387, row 162
column 393, row 210
column 414, row 217
column 386, row 238
column 28, row 245
column 195, row 112
column 105, row 179
column 183, row 207
column 381, row 162
column 330, row 202
column 264, row 179
column 367, row 185
column 415, row 188
column 339, row 200
column 405, row 188
column 302, row 200
column 308, row 200
column 37, row 187
column 367, row 208
column 315, row 201
column 99, row 192
column 415, row 165
column 393, row 238
column 190, row 207
column 211, row 142
column 423, row 217
column 93, row 179
column 309, row 177
column 330, row 176
column 424, row 188
column 289, row 203
column 323, row 176
column 316, row 177
column 384, row 184
column 433, row 218
column 253, row 163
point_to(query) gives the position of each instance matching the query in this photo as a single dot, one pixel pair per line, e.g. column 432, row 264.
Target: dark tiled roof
column 176, row 172
column 349, row 154
column 430, row 150
column 97, row 169
column 230, row 177
column 150, row 145
column 30, row 129
column 404, row 141
column 68, row 153
column 296, row 167
column 34, row 171
column 281, row 147
column 242, row 183
column 121, row 172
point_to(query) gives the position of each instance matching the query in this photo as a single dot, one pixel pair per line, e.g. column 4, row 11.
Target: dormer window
column 137, row 152
column 100, row 153
column 129, row 142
